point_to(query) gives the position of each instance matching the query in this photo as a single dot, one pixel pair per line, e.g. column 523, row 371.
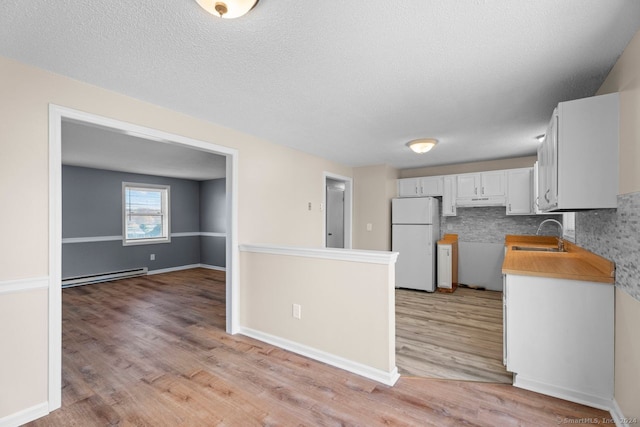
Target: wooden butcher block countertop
column 575, row 264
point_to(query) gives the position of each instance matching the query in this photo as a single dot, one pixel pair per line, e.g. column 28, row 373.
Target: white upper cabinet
column 493, row 183
column 548, row 165
column 420, row 187
column 512, row 188
column 578, row 159
column 467, row 185
column 536, row 192
column 449, row 196
column 409, row 187
column 519, row 191
column 431, row 186
column 481, row 189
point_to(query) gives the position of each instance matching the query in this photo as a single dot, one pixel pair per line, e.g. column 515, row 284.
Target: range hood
column 481, row 201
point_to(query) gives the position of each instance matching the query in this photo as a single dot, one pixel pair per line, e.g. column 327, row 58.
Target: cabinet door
column 444, row 266
column 408, row 187
column 536, row 188
column 467, row 185
column 541, row 176
column 519, row 190
column 550, row 339
column 553, row 162
column 493, row 183
column 548, row 167
column 449, row 196
column 505, row 352
column 431, row 186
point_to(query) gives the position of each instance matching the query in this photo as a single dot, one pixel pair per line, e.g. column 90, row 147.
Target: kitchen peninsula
column 559, row 319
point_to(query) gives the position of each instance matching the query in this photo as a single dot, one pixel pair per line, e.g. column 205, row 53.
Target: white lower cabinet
column 448, row 263
column 445, row 268
column 559, row 337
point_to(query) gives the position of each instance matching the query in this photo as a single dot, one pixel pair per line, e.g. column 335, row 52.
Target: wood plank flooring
column 152, row 351
column 450, row 336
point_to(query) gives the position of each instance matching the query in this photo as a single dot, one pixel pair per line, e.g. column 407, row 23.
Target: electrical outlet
column 297, row 311
column 309, row 205
column 369, row 227
column 152, row 257
column 449, row 227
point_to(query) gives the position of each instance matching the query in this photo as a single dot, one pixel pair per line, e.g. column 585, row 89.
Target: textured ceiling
column 350, row 81
column 97, row 147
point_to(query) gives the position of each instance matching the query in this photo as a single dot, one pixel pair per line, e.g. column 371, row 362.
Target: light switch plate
column 297, row 311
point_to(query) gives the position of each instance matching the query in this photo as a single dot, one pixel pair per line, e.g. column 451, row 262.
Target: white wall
column 348, row 307
column 625, row 79
column 374, row 187
column 489, row 165
column 275, row 185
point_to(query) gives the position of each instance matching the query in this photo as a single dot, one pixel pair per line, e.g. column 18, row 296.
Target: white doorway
column 59, row 114
column 338, row 192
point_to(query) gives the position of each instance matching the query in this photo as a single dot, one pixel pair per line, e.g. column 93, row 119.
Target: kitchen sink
column 536, row 249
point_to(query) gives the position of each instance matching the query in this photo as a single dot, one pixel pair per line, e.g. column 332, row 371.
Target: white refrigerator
column 415, row 229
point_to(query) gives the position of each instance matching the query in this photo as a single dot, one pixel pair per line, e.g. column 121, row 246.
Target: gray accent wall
column 92, row 207
column 213, row 206
column 213, row 219
column 615, row 235
column 80, row 259
column 92, row 201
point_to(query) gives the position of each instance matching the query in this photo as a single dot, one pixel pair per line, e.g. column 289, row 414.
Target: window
column 145, row 214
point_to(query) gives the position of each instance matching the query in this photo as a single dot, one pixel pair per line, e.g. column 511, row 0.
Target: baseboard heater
column 103, row 277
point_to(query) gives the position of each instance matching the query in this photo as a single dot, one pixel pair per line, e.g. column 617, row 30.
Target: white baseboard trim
column 563, row 393
column 171, row 269
column 387, row 378
column 20, row 285
column 213, row 267
column 618, row 416
column 185, row 267
column 25, row 416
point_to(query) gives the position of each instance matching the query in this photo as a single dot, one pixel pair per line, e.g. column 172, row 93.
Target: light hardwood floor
column 450, row 335
column 152, row 351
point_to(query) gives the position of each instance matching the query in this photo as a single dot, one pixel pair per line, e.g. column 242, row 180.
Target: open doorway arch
column 340, row 217
column 56, row 116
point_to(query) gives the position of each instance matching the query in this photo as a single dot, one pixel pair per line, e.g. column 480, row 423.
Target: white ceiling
column 101, row 148
column 350, row 81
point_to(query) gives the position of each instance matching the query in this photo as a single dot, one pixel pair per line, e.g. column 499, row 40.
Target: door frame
column 348, row 207
column 56, row 115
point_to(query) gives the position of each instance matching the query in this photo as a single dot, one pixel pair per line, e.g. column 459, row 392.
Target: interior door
column 335, row 218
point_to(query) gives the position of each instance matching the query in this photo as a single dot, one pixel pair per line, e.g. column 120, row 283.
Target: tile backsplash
column 615, row 235
column 492, row 224
column 611, row 233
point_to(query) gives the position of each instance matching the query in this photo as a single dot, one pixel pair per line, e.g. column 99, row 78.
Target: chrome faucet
column 559, row 224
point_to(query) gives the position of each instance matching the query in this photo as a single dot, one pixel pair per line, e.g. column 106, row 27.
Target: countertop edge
column 601, row 270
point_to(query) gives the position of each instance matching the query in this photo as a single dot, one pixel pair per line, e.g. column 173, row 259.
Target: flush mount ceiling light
column 227, row 9
column 540, row 138
column 421, row 146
